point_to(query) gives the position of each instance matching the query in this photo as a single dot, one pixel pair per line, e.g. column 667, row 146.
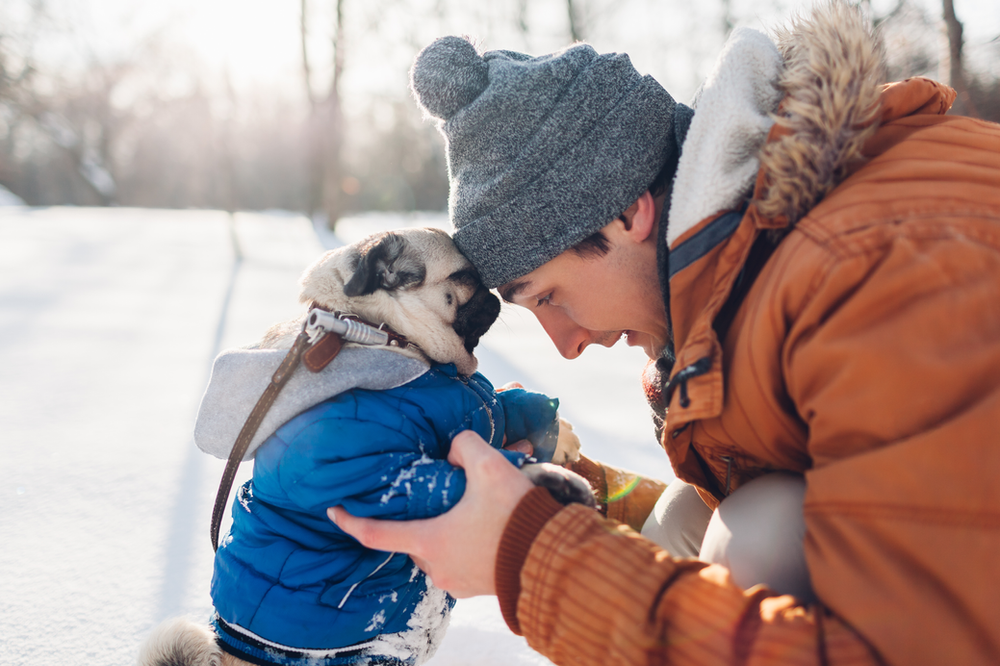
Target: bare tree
column 333, row 193
column 17, row 78
column 912, row 39
column 521, row 20
column 325, row 127
column 83, row 123
column 727, row 18
column 576, row 28
column 956, row 68
column 586, row 17
column 314, row 196
column 76, row 118
column 226, row 173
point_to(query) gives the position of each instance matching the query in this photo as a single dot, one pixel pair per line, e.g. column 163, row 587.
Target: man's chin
column 653, row 351
column 649, row 345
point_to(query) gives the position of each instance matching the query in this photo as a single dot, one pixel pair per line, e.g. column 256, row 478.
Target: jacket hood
column 819, row 80
column 834, row 73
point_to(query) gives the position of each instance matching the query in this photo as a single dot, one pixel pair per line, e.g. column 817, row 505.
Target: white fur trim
column 719, row 161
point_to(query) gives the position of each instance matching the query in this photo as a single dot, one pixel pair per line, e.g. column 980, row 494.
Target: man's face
column 583, row 300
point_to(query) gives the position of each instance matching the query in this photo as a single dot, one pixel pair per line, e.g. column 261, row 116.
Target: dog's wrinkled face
column 414, row 280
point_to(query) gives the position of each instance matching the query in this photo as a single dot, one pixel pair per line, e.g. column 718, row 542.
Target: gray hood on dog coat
column 240, row 376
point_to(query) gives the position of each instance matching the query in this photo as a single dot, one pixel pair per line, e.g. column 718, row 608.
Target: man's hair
column 597, row 244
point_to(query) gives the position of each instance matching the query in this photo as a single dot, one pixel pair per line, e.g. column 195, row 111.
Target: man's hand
column 457, row 549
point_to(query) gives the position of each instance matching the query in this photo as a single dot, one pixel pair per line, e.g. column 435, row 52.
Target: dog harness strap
column 278, row 381
column 322, row 352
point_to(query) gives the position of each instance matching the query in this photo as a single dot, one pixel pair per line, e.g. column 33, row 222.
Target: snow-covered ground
column 109, row 321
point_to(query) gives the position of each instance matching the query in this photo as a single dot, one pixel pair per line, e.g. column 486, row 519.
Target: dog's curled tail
column 181, row 642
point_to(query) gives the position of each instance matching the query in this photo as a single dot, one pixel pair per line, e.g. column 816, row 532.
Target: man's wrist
column 528, row 518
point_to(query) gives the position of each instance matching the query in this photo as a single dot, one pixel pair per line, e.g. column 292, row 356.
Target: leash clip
column 320, row 322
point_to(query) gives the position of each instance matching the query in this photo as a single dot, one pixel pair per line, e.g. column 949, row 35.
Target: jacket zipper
column 729, row 471
column 475, row 388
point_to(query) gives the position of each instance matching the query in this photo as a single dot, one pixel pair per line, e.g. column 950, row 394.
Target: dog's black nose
column 474, row 318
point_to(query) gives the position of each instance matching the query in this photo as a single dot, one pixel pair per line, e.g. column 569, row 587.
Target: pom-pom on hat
column 542, row 151
column 451, row 76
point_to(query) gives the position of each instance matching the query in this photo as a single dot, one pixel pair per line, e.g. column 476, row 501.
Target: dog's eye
column 449, row 298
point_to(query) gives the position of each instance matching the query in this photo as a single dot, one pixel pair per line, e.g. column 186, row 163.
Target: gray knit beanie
column 542, row 152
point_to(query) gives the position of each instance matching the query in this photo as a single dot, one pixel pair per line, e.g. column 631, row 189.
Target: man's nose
column 569, row 337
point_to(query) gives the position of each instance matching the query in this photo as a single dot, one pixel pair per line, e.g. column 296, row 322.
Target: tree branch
column 956, row 73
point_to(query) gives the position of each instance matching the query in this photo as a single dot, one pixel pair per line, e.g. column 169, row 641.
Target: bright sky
column 257, row 41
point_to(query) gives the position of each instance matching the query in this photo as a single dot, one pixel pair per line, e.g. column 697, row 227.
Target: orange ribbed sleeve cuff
column 529, row 517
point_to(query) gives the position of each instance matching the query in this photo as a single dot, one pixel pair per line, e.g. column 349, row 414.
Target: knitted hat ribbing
column 542, row 152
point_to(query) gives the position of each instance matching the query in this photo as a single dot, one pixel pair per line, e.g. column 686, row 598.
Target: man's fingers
column 388, row 535
column 522, row 446
column 511, row 385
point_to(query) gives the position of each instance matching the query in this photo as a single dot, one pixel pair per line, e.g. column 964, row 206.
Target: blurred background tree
column 270, row 104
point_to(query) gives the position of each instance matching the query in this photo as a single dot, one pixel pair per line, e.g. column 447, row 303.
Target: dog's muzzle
column 474, row 318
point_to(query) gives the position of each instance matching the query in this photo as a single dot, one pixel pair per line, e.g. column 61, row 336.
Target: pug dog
column 369, row 431
column 415, row 282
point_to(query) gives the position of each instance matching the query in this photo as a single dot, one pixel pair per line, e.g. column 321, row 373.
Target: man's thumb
column 390, row 536
column 467, row 447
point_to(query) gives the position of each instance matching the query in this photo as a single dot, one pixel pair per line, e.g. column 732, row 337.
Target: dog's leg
column 568, row 444
column 566, row 487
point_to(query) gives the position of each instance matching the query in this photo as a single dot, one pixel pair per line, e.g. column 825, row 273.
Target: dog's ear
column 385, row 262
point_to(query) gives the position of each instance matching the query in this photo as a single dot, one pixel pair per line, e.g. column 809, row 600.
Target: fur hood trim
column 827, row 71
column 834, row 72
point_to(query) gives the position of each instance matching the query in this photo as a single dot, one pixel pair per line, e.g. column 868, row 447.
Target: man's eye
column 543, row 300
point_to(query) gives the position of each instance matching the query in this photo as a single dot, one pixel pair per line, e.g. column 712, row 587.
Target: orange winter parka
column 864, row 354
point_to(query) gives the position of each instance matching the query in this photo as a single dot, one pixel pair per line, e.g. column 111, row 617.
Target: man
column 827, row 261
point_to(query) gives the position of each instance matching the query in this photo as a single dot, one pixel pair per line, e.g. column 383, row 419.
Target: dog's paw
column 568, row 444
column 565, row 486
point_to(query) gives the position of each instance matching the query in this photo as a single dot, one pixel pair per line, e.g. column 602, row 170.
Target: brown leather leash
column 315, row 353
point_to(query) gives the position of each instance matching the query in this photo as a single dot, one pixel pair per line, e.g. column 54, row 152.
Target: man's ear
column 639, row 219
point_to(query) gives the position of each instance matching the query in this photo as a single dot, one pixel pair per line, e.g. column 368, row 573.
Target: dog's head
column 414, row 280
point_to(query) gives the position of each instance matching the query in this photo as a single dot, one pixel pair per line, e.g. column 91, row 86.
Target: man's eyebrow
column 512, row 289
